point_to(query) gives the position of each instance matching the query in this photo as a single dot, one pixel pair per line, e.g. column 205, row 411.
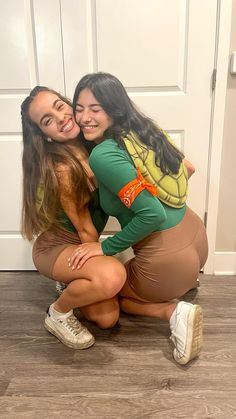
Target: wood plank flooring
column 128, row 373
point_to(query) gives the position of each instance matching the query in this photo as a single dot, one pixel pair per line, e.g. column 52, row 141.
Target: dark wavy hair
column 41, row 167
column 112, row 96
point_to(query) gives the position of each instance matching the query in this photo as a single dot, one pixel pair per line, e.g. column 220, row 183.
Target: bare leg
column 131, row 303
column 185, row 321
column 98, row 281
column 105, row 314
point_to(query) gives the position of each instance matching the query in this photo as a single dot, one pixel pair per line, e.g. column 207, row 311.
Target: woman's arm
column 81, row 219
column 114, row 171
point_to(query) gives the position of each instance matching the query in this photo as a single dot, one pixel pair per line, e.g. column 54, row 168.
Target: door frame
column 223, row 30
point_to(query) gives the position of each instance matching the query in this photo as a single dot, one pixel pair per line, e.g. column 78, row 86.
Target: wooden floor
column 128, row 373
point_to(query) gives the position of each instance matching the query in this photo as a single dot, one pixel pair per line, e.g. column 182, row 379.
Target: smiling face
column 91, row 117
column 54, row 117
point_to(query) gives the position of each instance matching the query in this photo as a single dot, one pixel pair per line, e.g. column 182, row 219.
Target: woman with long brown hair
column 61, row 210
column 143, row 182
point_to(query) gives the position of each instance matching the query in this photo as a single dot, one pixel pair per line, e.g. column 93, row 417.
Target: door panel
column 144, row 46
column 13, row 45
column 48, row 43
column 26, row 29
column 166, row 65
column 15, row 80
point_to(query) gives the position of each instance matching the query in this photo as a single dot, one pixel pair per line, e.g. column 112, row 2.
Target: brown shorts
column 167, row 263
column 48, row 246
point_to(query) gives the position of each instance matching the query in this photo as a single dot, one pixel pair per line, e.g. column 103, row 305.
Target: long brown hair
column 41, row 159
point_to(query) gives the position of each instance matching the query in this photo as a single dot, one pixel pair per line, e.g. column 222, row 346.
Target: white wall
column 226, row 223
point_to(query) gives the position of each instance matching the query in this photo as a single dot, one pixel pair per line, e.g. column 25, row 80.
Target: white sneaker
column 186, row 331
column 69, row 331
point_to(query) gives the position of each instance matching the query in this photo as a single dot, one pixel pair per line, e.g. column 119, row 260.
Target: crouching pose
column 143, row 181
column 61, row 210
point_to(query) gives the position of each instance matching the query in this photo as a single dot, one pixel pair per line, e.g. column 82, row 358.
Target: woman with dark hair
column 143, row 182
column 61, row 210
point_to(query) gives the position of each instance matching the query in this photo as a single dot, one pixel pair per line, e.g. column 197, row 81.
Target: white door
column 162, row 50
column 29, row 55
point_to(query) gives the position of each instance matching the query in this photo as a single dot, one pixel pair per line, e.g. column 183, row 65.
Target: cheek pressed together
column 91, row 117
column 54, row 117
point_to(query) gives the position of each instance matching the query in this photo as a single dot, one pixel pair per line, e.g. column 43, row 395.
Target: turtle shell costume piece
column 171, row 188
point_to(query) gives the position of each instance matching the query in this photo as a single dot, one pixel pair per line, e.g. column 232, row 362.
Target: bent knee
column 114, row 275
column 107, row 322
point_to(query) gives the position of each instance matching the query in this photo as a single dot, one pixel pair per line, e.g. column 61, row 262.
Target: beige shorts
column 167, row 263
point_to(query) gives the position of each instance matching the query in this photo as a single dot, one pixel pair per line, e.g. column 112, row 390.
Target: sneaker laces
column 73, row 325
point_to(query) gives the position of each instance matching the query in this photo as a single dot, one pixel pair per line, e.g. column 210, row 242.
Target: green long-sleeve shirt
column 114, row 169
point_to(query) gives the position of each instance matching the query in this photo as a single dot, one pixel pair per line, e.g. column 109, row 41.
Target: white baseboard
column 225, row 263
column 16, row 253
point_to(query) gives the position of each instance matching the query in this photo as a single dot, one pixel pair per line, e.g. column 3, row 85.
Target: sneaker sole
column 84, row 345
column 194, row 338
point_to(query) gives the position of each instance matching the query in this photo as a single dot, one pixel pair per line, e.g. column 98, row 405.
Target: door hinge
column 213, row 80
column 205, row 219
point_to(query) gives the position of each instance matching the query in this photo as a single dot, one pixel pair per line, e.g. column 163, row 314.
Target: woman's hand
column 84, row 252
